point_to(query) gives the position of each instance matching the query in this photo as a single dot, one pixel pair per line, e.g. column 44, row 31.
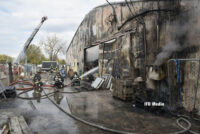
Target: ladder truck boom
column 27, row 43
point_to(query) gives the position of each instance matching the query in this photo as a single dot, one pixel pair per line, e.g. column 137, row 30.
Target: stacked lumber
column 18, row 125
column 103, row 82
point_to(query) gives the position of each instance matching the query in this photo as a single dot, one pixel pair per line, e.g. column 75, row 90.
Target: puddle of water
column 46, row 118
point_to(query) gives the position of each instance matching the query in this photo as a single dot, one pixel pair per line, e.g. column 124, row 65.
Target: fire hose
column 185, row 129
column 118, row 131
column 24, row 82
column 29, row 83
column 48, row 95
column 43, row 96
column 86, row 122
column 184, row 119
column 32, row 98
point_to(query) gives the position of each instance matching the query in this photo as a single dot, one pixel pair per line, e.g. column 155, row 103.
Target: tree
column 61, row 62
column 5, row 58
column 53, row 46
column 34, row 55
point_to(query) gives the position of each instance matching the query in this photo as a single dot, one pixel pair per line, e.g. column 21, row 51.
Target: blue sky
column 18, row 18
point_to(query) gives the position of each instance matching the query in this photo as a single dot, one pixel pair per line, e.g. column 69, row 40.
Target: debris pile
column 7, row 92
column 102, row 82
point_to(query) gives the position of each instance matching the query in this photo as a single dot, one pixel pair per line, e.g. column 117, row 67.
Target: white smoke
column 183, row 32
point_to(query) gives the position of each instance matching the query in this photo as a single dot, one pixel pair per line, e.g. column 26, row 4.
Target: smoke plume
column 183, row 32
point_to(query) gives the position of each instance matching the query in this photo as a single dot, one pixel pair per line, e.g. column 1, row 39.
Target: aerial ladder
column 22, row 54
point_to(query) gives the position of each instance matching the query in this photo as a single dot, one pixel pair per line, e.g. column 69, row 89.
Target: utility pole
column 10, row 72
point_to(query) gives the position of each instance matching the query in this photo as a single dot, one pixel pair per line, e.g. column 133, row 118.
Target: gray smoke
column 167, row 51
column 183, row 32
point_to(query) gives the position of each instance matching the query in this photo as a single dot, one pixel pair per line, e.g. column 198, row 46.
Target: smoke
column 167, row 51
column 183, row 32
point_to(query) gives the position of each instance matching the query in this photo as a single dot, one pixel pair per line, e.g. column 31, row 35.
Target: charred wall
column 100, row 23
column 145, row 36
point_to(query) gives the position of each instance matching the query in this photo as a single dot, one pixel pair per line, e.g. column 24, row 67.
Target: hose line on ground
column 44, row 96
column 33, row 98
column 28, row 83
column 185, row 129
column 48, row 95
column 86, row 122
column 22, row 81
column 183, row 118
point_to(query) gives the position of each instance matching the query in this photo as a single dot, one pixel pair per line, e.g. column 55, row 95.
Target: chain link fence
column 18, row 72
column 4, row 74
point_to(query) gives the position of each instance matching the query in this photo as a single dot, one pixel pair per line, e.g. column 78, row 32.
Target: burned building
column 152, row 44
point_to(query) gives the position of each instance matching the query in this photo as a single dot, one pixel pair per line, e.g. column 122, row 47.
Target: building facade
column 144, row 40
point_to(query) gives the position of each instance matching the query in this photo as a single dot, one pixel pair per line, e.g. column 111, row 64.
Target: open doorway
column 91, row 57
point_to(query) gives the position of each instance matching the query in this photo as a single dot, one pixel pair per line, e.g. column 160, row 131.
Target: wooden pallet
column 125, row 97
column 123, row 89
column 18, row 125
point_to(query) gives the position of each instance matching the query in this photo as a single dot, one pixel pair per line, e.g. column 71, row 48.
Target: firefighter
column 36, row 78
column 51, row 69
column 58, row 96
column 75, row 80
column 59, row 81
column 37, row 86
column 62, row 72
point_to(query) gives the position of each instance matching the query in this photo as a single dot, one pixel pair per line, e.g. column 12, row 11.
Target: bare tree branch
column 53, row 46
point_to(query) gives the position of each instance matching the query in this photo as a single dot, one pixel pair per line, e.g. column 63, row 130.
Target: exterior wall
column 94, row 27
column 98, row 24
column 132, row 54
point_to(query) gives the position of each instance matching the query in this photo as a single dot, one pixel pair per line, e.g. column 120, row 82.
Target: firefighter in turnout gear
column 51, row 69
column 59, row 81
column 37, row 86
column 58, row 96
column 36, row 78
column 75, row 80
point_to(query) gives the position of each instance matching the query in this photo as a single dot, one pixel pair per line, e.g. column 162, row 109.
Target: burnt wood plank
column 15, row 126
column 24, row 126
